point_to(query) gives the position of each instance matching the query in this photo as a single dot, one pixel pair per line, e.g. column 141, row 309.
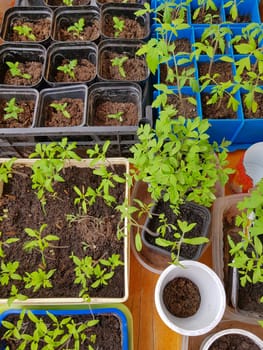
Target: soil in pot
column 108, row 330
column 234, row 342
column 33, row 68
column 91, row 32
column 90, row 235
column 239, row 19
column 181, row 297
column 132, row 29
column 55, row 118
column 218, row 110
column 25, row 117
column 84, row 71
column 183, row 106
column 116, row 113
column 223, row 69
column 40, row 29
column 248, row 296
column 186, row 214
column 182, row 45
column 248, row 114
column 135, row 69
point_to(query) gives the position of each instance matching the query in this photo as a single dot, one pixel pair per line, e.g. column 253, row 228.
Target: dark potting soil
column 90, row 32
column 108, row 331
column 25, row 118
column 181, row 297
column 129, row 116
column 132, row 29
column 183, row 107
column 239, row 19
column 217, row 110
column 93, row 235
column 248, row 114
column 186, row 214
column 40, row 28
column 84, row 71
column 75, row 107
column 202, row 18
column 135, row 68
column 234, row 342
column 33, row 68
column 223, row 69
column 182, row 45
column 248, row 296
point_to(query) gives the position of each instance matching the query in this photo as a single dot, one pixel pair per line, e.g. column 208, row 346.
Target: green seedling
column 232, row 5
column 118, row 116
column 12, row 109
column 61, row 107
column 77, row 28
column 38, row 279
column 247, row 251
column 26, row 31
column 118, row 26
column 179, row 237
column 16, row 71
column 119, row 62
column 68, row 68
column 39, row 242
column 6, row 243
column 50, row 332
column 6, row 169
column 68, row 2
column 203, row 7
column 90, row 273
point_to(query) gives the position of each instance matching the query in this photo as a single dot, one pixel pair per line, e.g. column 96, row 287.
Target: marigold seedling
column 16, row 71
column 118, row 26
column 12, row 109
column 68, row 2
column 61, row 107
column 25, row 31
column 118, row 116
column 119, row 62
column 68, row 68
column 77, row 28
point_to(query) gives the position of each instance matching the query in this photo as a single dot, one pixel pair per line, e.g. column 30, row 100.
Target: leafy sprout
column 61, row 107
column 118, row 116
column 118, row 26
column 68, row 68
column 16, row 71
column 12, row 109
column 119, row 62
column 25, row 31
column 78, row 27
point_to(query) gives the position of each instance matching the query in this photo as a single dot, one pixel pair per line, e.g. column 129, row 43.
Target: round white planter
column 213, row 300
column 212, row 338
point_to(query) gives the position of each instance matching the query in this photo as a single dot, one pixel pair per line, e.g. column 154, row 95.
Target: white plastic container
column 212, row 338
column 213, row 300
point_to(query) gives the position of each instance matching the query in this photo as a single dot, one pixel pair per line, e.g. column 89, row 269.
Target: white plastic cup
column 213, row 299
column 212, row 338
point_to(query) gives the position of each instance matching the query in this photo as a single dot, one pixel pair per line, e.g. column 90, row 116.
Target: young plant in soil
column 24, row 277
column 77, row 28
column 68, row 68
column 119, row 62
column 213, row 40
column 50, row 331
column 249, row 72
column 246, row 252
column 179, row 165
column 25, row 31
column 232, row 5
column 118, row 26
column 12, row 110
column 206, row 12
column 15, row 71
column 61, row 107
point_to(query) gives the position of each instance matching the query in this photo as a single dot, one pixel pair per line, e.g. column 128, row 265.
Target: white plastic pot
column 212, row 338
column 213, row 299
